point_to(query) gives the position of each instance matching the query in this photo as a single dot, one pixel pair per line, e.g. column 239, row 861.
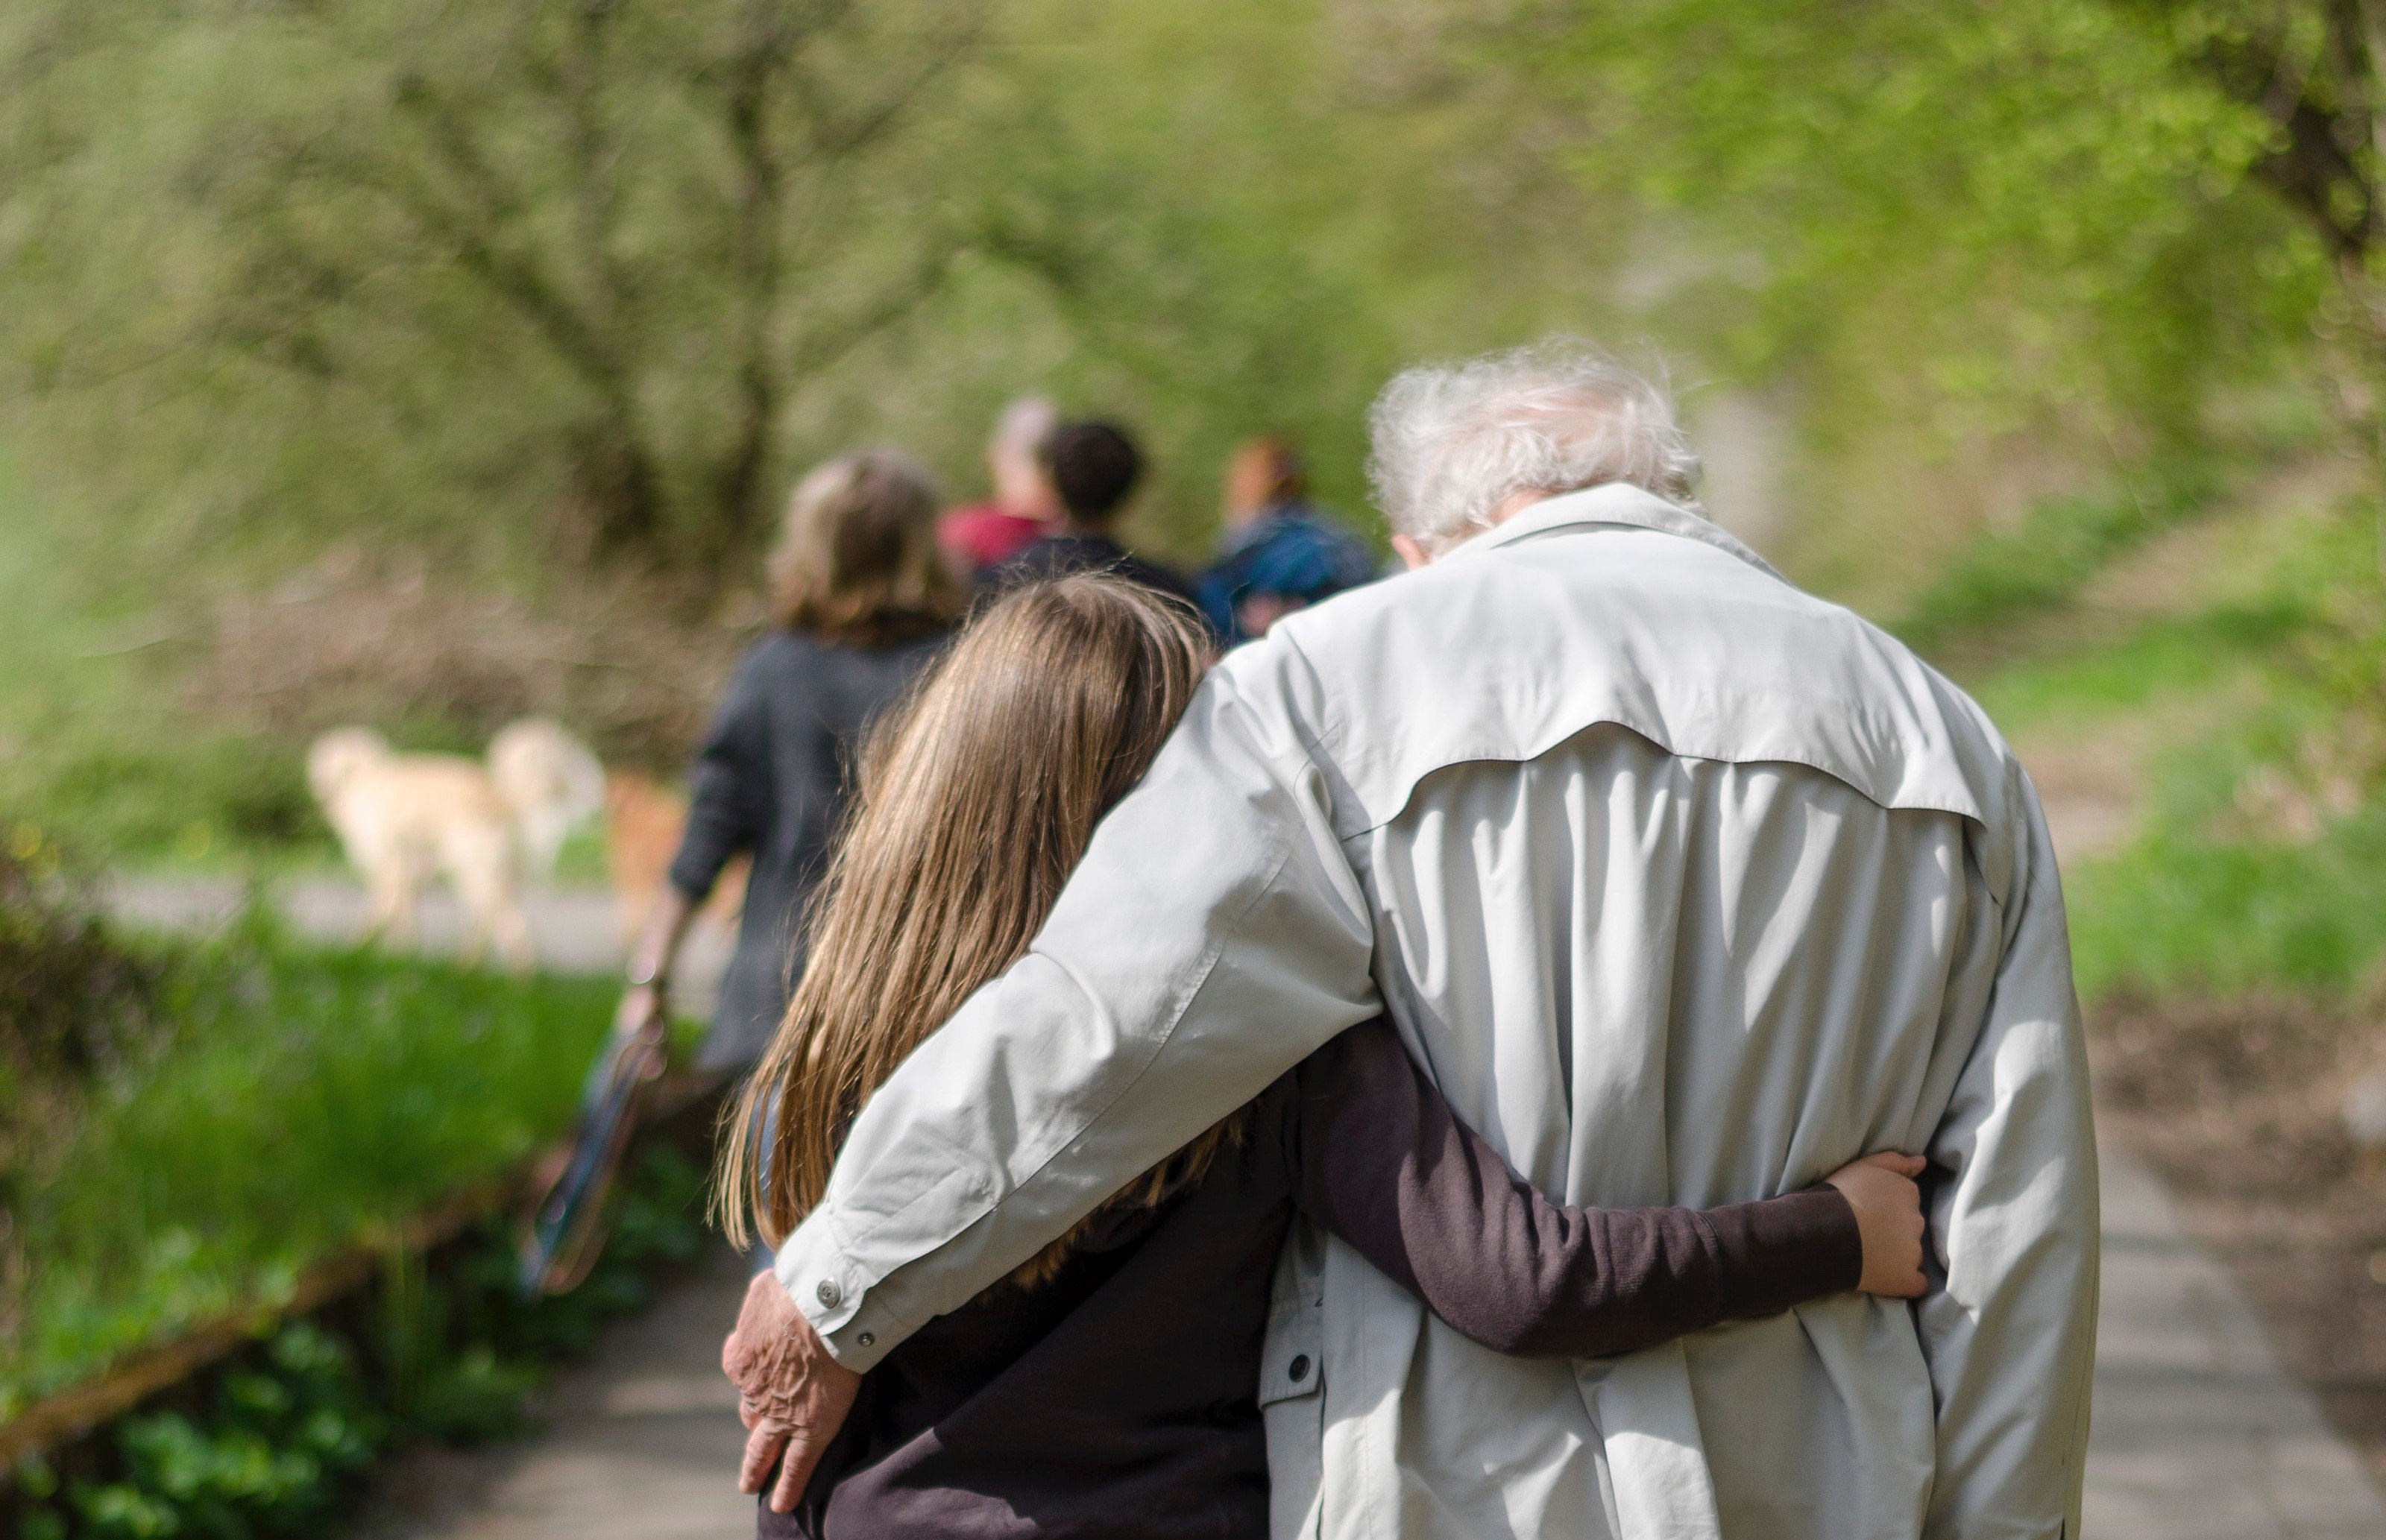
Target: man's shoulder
column 1503, row 654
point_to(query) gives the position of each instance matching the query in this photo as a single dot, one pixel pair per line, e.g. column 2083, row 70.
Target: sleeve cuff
column 830, row 1291
column 1786, row 1250
column 694, row 878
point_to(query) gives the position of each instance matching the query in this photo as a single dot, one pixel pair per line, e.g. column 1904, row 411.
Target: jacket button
column 867, row 1338
column 829, row 1292
column 1299, row 1368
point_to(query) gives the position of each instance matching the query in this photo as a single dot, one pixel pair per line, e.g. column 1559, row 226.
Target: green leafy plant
column 1999, row 576
column 448, row 1352
column 308, row 1100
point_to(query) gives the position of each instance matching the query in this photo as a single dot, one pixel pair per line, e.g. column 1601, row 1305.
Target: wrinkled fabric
column 1685, row 887
column 1118, row 1399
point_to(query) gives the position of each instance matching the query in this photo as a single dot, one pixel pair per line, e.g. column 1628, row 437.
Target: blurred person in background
column 1094, row 467
column 981, row 537
column 862, row 600
column 1281, row 551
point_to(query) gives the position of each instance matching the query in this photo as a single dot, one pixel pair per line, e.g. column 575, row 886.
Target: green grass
column 2162, row 660
column 2242, row 673
column 2201, row 902
column 306, row 1098
column 2049, row 557
column 2176, row 914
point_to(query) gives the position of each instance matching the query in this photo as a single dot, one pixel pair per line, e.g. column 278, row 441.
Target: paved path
column 643, row 1444
column 2197, row 1436
column 574, row 930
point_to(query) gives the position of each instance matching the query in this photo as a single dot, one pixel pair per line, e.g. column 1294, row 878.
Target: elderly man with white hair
column 1684, row 886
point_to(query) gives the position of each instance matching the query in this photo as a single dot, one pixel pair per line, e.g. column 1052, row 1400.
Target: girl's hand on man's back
column 1880, row 1188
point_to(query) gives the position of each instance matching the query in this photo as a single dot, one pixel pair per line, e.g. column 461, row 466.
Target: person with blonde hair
column 860, row 599
column 1114, row 1382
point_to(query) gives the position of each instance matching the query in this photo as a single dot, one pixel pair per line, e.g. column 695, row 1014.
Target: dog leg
column 391, row 884
column 483, row 870
column 510, row 927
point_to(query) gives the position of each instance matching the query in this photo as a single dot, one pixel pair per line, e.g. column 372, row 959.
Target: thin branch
column 481, row 253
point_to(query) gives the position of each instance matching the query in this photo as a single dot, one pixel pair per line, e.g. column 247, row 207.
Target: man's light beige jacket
column 1688, row 888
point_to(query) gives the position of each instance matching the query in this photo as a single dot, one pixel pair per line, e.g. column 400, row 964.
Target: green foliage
column 2211, row 900
column 2021, row 203
column 520, row 282
column 1988, row 257
column 95, row 747
column 1999, row 576
column 574, row 261
column 268, row 1457
column 278, row 1440
column 73, row 1000
column 193, row 800
column 2149, row 666
column 310, row 1099
column 2179, row 912
column 2262, row 842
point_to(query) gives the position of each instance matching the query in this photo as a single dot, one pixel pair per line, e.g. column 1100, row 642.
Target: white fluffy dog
column 552, row 784
column 401, row 818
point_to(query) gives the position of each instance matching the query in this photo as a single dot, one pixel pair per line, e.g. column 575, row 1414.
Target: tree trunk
column 619, row 490
column 742, row 495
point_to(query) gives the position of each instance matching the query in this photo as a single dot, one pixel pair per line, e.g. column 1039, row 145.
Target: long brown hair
column 855, row 559
column 978, row 799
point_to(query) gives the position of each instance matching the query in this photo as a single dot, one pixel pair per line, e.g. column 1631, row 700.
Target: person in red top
column 981, row 537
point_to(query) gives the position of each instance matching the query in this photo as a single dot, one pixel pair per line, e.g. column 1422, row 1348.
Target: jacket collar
column 1614, row 506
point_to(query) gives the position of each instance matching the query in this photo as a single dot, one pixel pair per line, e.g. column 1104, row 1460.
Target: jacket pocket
column 1292, row 1385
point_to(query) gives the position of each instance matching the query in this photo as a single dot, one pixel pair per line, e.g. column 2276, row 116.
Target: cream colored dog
column 552, row 784
column 403, row 818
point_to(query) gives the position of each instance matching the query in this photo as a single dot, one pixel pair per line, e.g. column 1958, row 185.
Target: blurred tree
column 1242, row 216
column 592, row 278
column 585, row 253
column 2048, row 160
column 2048, row 225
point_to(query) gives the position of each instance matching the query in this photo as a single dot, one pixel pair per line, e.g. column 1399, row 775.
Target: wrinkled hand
column 1880, row 1188
column 792, row 1397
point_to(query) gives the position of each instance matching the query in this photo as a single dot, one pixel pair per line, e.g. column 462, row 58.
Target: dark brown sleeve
column 1380, row 1159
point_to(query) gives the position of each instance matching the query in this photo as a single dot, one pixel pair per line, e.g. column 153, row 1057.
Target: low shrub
column 74, row 998
column 2047, row 557
column 443, row 1349
column 306, row 1099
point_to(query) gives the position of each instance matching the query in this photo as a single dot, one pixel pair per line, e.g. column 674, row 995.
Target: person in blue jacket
column 1281, row 551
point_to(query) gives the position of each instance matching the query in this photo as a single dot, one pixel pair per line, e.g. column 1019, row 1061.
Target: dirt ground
column 2235, row 1103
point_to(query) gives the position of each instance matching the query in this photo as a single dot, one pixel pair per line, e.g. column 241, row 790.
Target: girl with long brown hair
column 1114, row 1384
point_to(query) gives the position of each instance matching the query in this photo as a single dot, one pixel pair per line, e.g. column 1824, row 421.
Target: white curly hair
column 1452, row 442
